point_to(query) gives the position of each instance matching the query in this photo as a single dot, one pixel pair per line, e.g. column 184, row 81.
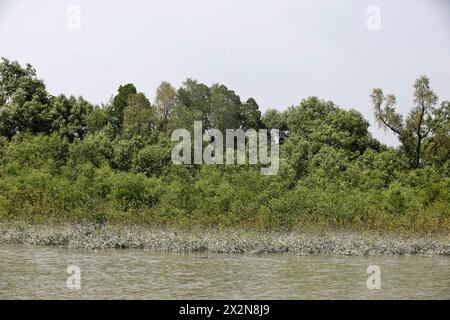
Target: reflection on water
column 40, row 273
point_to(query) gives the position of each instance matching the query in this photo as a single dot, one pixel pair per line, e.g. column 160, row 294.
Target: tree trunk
column 419, row 146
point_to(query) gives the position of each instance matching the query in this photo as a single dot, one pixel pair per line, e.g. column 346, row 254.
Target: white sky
column 278, row 52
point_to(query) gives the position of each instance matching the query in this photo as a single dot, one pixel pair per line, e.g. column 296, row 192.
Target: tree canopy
column 63, row 156
column 420, row 126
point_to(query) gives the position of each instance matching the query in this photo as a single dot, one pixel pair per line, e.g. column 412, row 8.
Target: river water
column 41, row 273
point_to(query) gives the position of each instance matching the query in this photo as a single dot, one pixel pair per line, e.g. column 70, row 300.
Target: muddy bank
column 214, row 241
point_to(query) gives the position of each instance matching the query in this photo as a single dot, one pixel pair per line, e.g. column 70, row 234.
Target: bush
column 37, row 151
column 136, row 190
column 95, row 149
column 152, row 160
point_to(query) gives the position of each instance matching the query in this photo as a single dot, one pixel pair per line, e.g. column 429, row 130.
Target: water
column 41, row 273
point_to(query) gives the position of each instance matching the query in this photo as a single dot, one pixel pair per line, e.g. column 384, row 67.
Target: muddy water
column 41, row 273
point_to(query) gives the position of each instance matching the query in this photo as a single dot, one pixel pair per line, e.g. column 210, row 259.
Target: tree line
column 65, row 158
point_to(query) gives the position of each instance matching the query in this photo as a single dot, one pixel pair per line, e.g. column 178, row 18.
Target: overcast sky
column 278, row 52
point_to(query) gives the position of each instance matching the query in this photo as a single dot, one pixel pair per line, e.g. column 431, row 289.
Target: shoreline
column 91, row 236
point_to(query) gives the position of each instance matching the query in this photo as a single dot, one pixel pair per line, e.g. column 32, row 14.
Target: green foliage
column 131, row 190
column 24, row 101
column 95, row 149
column 323, row 123
column 216, row 106
column 250, row 115
column 124, row 152
column 274, row 119
column 97, row 119
column 152, row 159
column 37, row 151
column 139, row 117
column 117, row 110
column 423, row 124
column 166, row 101
column 437, row 149
column 69, row 116
column 63, row 159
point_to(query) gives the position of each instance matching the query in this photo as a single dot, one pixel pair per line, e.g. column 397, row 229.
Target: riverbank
column 93, row 236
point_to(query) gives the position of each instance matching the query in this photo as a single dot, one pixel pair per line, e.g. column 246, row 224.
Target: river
column 42, row 273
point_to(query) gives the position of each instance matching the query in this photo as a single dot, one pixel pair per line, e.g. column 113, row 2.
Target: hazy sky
column 278, row 52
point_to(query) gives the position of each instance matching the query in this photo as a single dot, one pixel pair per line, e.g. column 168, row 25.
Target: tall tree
column 119, row 104
column 195, row 98
column 250, row 115
column 97, row 119
column 274, row 119
column 139, row 117
column 437, row 150
column 69, row 116
column 24, row 100
column 165, row 102
column 225, row 112
column 322, row 123
column 417, row 127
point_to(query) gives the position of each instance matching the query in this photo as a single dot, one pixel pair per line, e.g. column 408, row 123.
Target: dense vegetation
column 63, row 159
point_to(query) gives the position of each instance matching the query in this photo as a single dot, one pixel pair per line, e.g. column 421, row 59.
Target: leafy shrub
column 133, row 190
